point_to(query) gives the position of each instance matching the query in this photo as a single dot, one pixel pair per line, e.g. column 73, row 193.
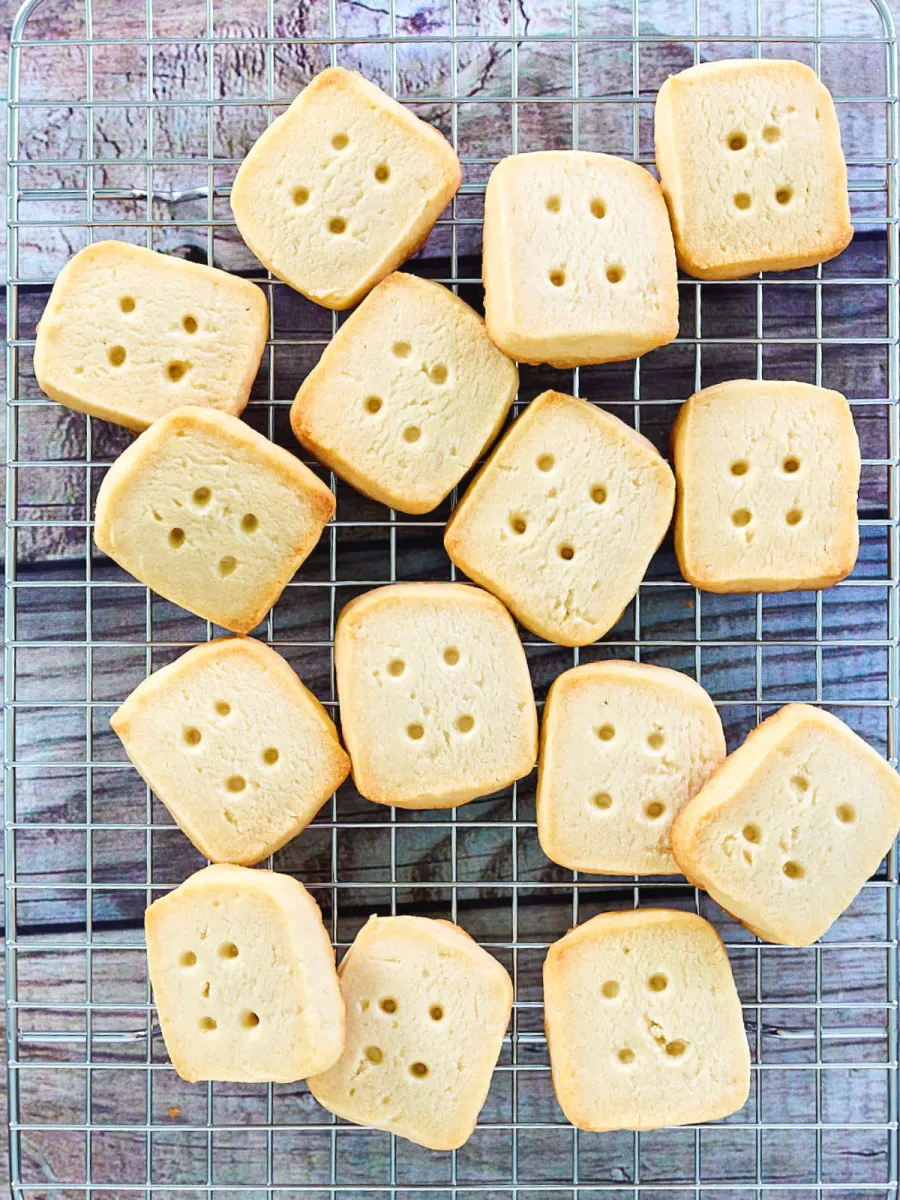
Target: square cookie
column 211, row 515
column 129, row 334
column 791, row 826
column 243, row 977
column 564, row 517
column 427, row 1010
column 750, row 160
column 407, row 395
column 342, row 188
column 435, row 695
column 624, row 746
column 643, row 1022
column 768, row 475
column 579, row 265
column 240, row 752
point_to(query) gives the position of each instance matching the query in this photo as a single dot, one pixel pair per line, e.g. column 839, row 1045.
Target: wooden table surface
column 66, row 690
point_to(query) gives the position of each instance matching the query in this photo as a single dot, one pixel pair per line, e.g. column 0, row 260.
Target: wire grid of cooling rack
column 95, row 1109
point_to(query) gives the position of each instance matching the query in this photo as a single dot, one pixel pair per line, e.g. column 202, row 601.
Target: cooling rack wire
column 129, row 120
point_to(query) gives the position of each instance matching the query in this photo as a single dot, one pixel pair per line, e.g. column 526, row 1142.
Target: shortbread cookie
column 624, row 746
column 579, row 265
column 791, row 825
column 341, row 188
column 129, row 334
column 427, row 1009
column 749, row 155
column 407, row 395
column 244, row 979
column 240, row 752
column 211, row 515
column 643, row 1022
column 435, row 695
column 768, row 473
column 563, row 519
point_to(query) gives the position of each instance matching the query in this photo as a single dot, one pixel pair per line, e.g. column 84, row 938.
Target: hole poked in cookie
column 656, row 740
column 465, row 723
column 606, row 732
column 546, row 462
column 396, row 667
column 337, row 225
column 438, row 374
column 451, row 656
column 602, row 800
column 415, row 732
column 177, row 369
column 771, row 134
column 784, row 196
column 793, row 870
column 228, row 950
column 301, row 195
column 207, row 1024
column 557, row 277
column 373, row 404
column 412, row 433
column 176, row 537
column 126, row 303
column 566, row 552
column 610, row 989
column 116, row 355
column 192, row 735
column 187, row 959
column 374, row 1054
column 223, row 708
column 270, row 756
column 249, row 1019
column 626, row 1056
column 518, row 524
column 752, row 833
column 598, row 494
column 249, row 522
column 598, row 209
column 737, row 141
column 418, row 1070
column 791, row 465
column 740, row 467
column 340, row 141
column 552, row 204
column 845, row 813
column 615, row 273
column 227, row 564
column 382, row 173
column 436, row 1012
column 189, row 324
column 793, row 516
column 658, row 982
column 742, row 200
column 741, row 517
column 676, row 1048
column 387, row 1004
column 654, row 810
column 235, row 783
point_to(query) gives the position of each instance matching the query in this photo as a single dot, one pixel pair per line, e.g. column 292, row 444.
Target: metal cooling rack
column 95, row 1109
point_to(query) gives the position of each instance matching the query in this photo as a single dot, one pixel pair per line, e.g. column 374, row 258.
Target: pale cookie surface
column 768, row 475
column 427, row 1009
column 211, row 515
column 791, row 825
column 749, row 155
column 238, row 750
column 644, row 1023
column 435, row 695
column 563, row 519
column 341, row 188
column 407, row 395
column 624, row 746
column 243, row 977
column 129, row 335
column 579, row 265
